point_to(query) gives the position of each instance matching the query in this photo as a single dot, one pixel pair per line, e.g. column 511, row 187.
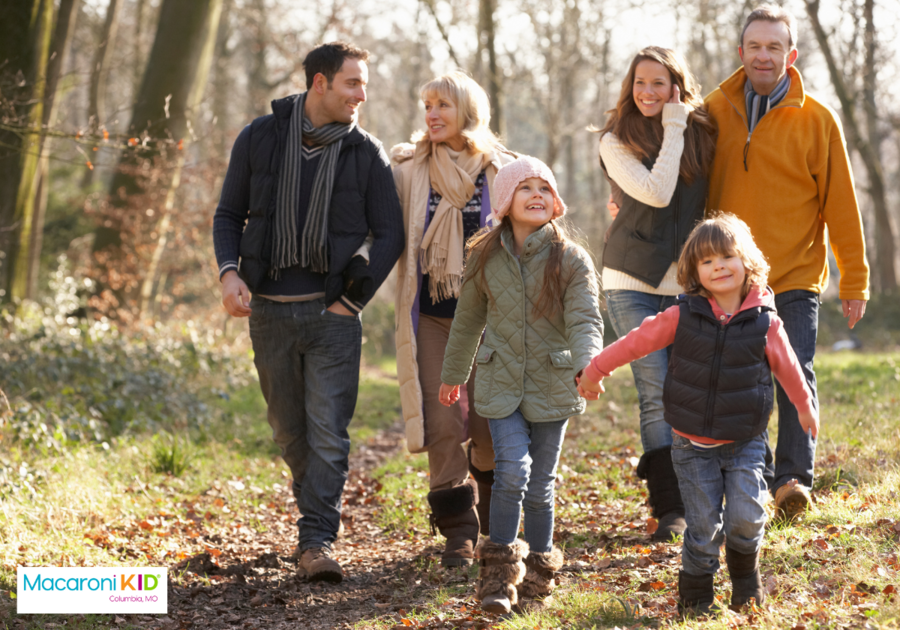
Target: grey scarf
column 313, row 243
column 758, row 105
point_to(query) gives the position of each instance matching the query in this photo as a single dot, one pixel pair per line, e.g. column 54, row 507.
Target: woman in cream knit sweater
column 656, row 149
column 445, row 182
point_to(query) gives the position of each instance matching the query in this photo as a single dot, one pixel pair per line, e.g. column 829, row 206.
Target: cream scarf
column 441, row 251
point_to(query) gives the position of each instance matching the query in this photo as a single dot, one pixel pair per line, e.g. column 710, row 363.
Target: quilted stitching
column 534, row 359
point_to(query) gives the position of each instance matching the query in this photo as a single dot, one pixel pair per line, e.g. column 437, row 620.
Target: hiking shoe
column 317, row 565
column 297, row 553
column 791, row 500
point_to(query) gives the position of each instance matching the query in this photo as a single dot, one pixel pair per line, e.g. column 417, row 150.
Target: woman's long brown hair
column 486, row 243
column 644, row 135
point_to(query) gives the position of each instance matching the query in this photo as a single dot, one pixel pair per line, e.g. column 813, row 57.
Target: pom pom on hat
column 510, row 176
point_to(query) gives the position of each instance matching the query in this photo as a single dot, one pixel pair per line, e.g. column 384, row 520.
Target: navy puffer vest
column 347, row 227
column 719, row 383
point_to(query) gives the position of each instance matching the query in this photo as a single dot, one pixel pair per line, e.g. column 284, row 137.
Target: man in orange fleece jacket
column 781, row 165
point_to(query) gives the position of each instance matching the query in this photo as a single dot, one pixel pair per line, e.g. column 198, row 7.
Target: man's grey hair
column 773, row 13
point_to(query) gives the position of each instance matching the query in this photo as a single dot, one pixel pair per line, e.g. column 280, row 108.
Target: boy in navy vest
column 727, row 340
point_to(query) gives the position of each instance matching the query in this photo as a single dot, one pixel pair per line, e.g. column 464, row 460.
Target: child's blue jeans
column 526, row 455
column 706, row 477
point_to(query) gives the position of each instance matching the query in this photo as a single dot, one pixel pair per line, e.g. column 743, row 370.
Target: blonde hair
column 722, row 233
column 472, row 105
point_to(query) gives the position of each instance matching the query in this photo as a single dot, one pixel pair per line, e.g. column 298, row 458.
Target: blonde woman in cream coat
column 444, row 181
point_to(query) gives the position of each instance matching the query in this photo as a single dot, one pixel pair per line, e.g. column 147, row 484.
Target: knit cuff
column 354, row 307
column 226, row 266
column 675, row 114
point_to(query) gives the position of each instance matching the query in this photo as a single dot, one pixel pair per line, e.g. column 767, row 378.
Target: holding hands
column 588, row 389
column 449, row 394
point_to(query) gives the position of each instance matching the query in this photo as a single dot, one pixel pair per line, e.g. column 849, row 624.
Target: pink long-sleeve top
column 658, row 331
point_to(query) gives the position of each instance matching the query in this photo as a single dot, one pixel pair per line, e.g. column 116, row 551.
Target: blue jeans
column 706, row 477
column 795, row 452
column 525, row 455
column 308, row 365
column 627, row 309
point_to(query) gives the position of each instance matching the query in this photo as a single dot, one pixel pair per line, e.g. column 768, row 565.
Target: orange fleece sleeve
column 840, row 211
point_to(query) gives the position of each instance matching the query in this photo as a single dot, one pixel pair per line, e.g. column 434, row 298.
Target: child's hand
column 449, row 394
column 810, row 423
column 589, row 390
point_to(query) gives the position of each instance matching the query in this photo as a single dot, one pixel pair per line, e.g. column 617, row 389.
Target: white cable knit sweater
column 654, row 187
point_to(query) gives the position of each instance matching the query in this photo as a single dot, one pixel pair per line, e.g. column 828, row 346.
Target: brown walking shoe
column 791, row 500
column 318, row 566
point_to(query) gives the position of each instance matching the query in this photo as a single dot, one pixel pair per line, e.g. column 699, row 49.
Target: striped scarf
column 758, row 105
column 313, row 243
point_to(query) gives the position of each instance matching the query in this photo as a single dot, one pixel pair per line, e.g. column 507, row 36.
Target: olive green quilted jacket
column 526, row 361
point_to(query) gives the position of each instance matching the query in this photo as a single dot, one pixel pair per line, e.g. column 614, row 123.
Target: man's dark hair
column 772, row 13
column 328, row 59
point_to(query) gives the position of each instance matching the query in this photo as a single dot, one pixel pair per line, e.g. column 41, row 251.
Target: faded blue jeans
column 627, row 309
column 795, row 452
column 525, row 455
column 732, row 473
column 308, row 364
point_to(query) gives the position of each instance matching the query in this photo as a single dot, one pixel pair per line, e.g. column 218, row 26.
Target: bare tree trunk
column 486, row 40
column 864, row 146
column 137, row 51
column 176, row 74
column 100, row 66
column 25, row 31
column 99, row 71
column 884, row 235
column 65, row 25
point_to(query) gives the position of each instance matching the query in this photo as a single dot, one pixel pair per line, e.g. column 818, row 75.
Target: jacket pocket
column 561, row 379
column 484, row 375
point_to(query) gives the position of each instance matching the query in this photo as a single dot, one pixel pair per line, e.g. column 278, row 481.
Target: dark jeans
column 724, row 497
column 795, row 452
column 308, row 364
column 627, row 309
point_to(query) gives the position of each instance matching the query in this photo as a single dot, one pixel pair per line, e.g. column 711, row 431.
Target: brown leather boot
column 453, row 513
column 317, row 565
column 501, row 571
column 537, row 587
column 485, row 481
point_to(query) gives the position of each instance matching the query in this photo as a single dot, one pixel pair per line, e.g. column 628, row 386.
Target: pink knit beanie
column 510, row 176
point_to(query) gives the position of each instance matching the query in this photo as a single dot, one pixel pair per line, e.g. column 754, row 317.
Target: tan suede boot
column 318, row 566
column 501, row 570
column 536, row 589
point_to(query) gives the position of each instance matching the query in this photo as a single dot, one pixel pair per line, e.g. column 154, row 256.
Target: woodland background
column 132, row 428
column 117, row 116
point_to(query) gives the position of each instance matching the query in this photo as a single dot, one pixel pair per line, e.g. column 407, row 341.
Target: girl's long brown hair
column 486, row 243
column 644, row 135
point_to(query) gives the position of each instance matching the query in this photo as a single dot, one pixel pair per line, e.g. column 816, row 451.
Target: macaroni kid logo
column 77, row 590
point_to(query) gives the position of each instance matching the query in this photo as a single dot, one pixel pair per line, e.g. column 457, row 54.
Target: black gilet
column 719, row 383
column 644, row 241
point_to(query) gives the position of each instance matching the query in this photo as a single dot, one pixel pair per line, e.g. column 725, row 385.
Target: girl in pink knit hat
column 534, row 294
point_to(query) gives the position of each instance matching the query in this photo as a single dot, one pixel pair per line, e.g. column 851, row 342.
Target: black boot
column 695, row 594
column 665, row 496
column 453, row 512
column 745, row 581
column 485, row 481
